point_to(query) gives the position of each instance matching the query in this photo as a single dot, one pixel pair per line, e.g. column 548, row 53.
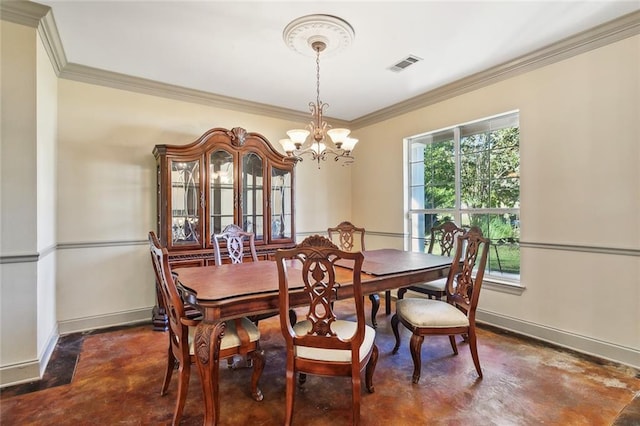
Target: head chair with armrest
column 241, row 336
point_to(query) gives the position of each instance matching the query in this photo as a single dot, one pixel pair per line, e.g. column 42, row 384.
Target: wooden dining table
column 235, row 290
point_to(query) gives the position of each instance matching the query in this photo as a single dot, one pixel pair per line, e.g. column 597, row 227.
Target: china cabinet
column 224, row 177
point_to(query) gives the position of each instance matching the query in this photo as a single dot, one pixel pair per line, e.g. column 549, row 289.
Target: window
column 469, row 174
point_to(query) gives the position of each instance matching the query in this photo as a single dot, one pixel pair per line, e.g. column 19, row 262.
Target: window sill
column 509, row 287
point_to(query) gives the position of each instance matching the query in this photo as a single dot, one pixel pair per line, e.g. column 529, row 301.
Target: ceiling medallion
column 334, row 32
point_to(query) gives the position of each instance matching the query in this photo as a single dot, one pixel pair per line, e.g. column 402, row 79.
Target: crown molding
column 23, row 12
column 115, row 80
column 41, row 17
column 601, row 35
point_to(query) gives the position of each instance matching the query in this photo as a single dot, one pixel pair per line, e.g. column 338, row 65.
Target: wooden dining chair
column 322, row 344
column 443, row 240
column 349, row 237
column 241, row 336
column 234, row 238
column 456, row 315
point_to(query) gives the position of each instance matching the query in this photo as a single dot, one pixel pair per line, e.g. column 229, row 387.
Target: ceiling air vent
column 405, row 63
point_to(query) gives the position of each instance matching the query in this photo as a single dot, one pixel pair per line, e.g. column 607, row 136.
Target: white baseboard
column 48, row 349
column 104, row 321
column 32, row 370
column 29, row 371
column 16, row 374
column 565, row 339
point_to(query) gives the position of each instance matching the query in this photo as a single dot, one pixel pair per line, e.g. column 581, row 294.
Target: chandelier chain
column 318, row 75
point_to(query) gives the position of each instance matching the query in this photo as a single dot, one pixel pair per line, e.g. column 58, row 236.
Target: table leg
column 207, row 349
column 375, row 305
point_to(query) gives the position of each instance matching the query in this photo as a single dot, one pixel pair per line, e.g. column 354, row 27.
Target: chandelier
column 319, row 33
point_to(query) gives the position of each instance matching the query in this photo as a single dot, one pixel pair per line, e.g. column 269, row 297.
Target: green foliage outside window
column 489, row 180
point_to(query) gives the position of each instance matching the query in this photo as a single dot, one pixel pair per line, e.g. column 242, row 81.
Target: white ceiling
column 235, row 48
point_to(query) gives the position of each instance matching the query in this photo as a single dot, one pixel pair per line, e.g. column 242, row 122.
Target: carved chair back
column 323, row 344
column 445, row 236
column 316, row 256
column 347, row 236
column 463, row 287
column 234, row 238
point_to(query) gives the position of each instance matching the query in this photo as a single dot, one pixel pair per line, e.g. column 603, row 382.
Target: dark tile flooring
column 114, row 377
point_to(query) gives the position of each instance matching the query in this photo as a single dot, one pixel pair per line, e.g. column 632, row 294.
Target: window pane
column 439, row 173
column 504, row 232
column 421, row 224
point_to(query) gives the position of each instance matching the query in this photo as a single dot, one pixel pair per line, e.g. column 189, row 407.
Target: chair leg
column 375, row 305
column 184, row 371
column 394, row 326
column 257, row 357
column 387, row 302
column 171, row 365
column 416, row 347
column 474, row 350
column 452, row 340
column 355, row 393
column 289, row 393
column 396, row 332
column 371, row 367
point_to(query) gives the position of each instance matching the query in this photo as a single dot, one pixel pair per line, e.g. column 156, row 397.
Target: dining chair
column 241, row 336
column 234, row 238
column 443, row 240
column 322, row 344
column 456, row 315
column 349, row 237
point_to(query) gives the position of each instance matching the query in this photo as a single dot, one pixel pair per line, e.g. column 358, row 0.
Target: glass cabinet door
column 185, row 203
column 281, row 212
column 252, row 195
column 221, row 191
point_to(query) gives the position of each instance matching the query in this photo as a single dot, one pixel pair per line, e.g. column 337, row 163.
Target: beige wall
column 580, row 184
column 106, row 194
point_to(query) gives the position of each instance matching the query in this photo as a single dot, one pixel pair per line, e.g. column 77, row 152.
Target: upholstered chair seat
column 431, row 313
column 344, row 330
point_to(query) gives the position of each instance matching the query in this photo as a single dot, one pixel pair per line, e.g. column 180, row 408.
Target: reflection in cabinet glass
column 281, row 209
column 221, row 178
column 252, row 195
column 185, row 199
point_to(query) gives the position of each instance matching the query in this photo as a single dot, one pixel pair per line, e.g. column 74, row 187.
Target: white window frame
column 494, row 281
